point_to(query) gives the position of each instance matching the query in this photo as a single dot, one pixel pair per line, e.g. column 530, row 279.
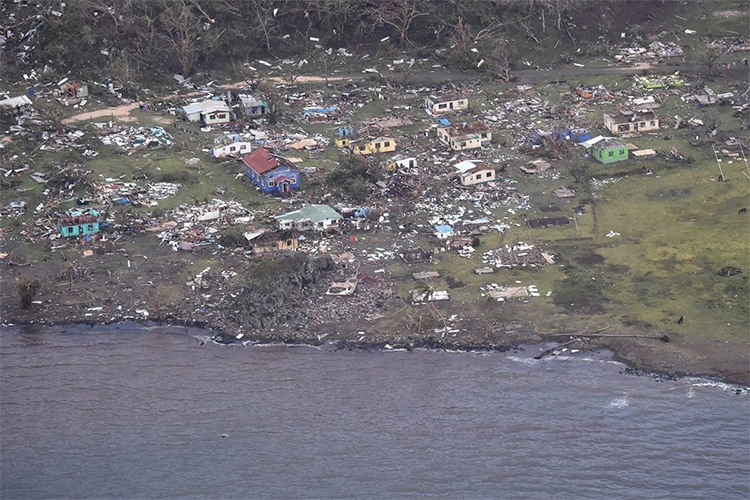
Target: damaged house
column 263, row 241
column 234, row 149
column 445, row 104
column 626, row 121
column 208, row 112
column 379, row 145
column 272, row 174
column 78, row 223
column 470, row 173
column 310, row 217
column 345, row 134
column 401, row 161
column 74, row 90
column 465, row 135
column 252, row 107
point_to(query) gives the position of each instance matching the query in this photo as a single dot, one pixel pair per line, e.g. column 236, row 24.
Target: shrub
column 27, row 289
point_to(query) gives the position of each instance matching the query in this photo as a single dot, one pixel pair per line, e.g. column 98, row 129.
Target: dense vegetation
column 131, row 39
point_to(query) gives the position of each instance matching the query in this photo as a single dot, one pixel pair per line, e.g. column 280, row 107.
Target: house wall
column 254, row 111
column 385, row 146
column 404, row 163
column 438, row 107
column 236, row 148
column 267, row 183
column 79, row 229
column 215, row 117
column 369, row 148
column 276, row 246
column 478, row 177
column 269, row 179
column 612, row 154
column 619, row 127
column 460, row 143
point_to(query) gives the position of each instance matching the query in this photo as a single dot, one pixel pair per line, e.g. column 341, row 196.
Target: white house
column 624, row 122
column 401, row 161
column 208, row 112
column 234, row 149
column 471, row 173
column 445, row 104
column 463, row 136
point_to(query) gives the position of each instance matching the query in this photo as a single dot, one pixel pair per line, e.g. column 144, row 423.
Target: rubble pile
column 188, row 227
column 519, row 254
column 112, row 192
column 133, row 137
column 732, row 44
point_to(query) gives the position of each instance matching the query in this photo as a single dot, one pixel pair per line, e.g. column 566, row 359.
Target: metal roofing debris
column 133, row 137
column 14, row 102
column 519, row 254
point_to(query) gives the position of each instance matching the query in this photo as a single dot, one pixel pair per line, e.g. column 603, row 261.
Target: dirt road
column 522, row 76
column 122, row 113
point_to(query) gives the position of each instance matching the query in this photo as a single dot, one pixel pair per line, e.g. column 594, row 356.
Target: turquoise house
column 79, row 223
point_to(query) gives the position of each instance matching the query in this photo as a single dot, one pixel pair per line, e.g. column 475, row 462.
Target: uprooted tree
column 27, row 289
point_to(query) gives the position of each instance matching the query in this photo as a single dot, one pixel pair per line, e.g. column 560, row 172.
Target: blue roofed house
column 272, row 174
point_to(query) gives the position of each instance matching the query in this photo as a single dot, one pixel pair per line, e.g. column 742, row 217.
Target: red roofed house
column 271, row 173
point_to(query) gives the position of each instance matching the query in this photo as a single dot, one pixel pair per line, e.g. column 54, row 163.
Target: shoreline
column 427, row 343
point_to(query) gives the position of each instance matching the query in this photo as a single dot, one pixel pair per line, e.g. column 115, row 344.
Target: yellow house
column 379, row 145
column 343, row 142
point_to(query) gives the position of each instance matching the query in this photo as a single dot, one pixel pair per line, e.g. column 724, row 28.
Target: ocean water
column 122, row 411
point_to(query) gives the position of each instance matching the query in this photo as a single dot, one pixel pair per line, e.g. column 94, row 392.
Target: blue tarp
column 444, row 122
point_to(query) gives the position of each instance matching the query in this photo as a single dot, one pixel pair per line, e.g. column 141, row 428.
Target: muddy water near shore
column 120, row 411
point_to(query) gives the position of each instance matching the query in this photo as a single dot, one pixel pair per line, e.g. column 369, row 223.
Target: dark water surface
column 114, row 412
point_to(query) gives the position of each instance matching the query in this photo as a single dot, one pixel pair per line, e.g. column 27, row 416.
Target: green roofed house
column 315, row 217
column 606, row 149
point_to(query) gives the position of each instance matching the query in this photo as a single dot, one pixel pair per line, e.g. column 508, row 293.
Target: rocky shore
column 286, row 303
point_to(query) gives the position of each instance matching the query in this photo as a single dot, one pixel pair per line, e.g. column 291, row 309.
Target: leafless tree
column 708, row 55
column 499, row 60
column 181, row 31
column 400, row 14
